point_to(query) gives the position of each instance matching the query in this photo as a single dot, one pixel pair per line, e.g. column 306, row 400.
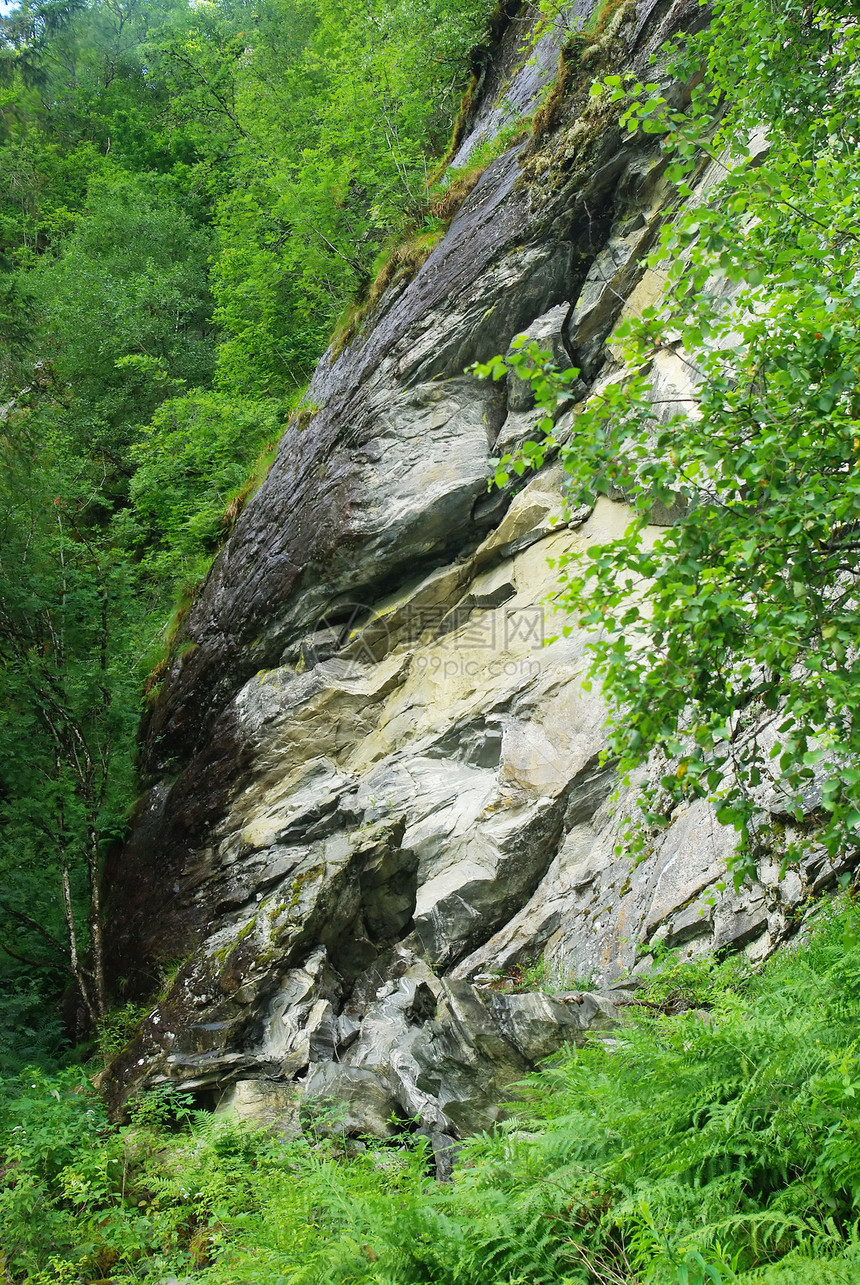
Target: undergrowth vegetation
column 718, row 1144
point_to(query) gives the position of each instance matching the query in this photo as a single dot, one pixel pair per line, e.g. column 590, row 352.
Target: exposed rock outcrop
column 377, row 783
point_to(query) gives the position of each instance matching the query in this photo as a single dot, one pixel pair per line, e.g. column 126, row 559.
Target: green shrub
column 694, row 1147
column 192, row 461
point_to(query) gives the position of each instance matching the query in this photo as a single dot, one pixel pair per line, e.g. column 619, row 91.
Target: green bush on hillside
column 192, row 461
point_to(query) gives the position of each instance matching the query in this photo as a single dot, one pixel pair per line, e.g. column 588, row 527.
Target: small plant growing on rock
column 530, row 976
column 116, row 1029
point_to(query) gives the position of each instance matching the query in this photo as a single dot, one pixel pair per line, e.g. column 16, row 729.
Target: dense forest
column 195, row 200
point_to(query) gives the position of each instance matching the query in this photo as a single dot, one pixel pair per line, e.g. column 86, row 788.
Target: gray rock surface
column 377, row 784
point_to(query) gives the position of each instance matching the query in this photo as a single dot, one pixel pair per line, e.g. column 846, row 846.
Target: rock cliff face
column 377, row 787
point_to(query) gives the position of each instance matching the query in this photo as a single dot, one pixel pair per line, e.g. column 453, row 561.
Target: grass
column 257, row 477
column 577, row 58
column 394, row 266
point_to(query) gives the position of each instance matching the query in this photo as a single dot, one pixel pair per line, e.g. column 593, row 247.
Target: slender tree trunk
column 95, row 921
column 78, row 970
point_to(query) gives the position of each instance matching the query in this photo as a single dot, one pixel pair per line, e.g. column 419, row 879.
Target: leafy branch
column 750, row 603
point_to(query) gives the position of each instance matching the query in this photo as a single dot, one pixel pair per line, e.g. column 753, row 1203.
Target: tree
column 68, row 707
column 729, row 646
column 341, row 117
column 193, row 461
column 124, row 308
